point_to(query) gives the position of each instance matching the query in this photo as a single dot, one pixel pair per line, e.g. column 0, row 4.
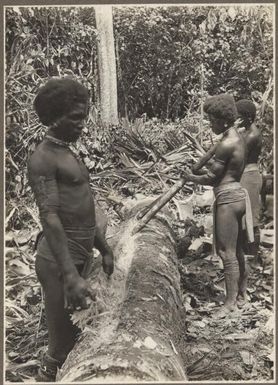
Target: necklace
column 59, row 142
column 66, row 145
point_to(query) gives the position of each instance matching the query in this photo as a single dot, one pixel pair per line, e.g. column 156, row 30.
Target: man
column 251, row 178
column 60, row 183
column 227, row 161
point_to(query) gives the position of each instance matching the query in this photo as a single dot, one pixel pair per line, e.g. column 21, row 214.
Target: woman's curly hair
column 222, row 106
column 57, row 97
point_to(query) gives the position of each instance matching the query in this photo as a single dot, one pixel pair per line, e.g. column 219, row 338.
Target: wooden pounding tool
column 158, row 204
column 165, row 198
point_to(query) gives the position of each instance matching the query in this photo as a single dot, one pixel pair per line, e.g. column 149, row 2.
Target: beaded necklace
column 59, row 142
column 66, row 145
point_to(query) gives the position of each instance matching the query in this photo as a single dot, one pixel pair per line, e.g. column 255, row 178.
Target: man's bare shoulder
column 254, row 133
column 226, row 147
column 42, row 161
column 227, row 144
column 253, row 136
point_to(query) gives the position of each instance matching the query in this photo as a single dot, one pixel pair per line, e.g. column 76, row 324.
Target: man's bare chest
column 71, row 170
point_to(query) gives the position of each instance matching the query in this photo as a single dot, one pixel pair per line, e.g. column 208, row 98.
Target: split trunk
column 135, row 329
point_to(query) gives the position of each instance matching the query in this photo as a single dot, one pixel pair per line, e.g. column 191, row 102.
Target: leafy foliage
column 181, row 54
column 170, row 44
column 40, row 43
column 168, row 60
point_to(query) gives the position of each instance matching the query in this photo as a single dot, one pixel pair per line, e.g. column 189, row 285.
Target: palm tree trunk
column 139, row 333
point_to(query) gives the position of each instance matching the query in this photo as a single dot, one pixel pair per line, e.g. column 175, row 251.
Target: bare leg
column 257, row 239
column 243, row 268
column 256, row 245
column 227, row 228
column 61, row 332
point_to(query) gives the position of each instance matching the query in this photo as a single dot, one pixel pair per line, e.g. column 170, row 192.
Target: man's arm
column 105, row 251
column 100, row 241
column 217, row 168
column 42, row 177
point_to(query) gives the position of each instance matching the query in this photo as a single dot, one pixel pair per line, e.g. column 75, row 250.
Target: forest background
column 168, row 60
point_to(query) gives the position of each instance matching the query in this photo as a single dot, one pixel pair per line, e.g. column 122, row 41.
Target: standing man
column 60, row 183
column 227, row 161
column 251, row 178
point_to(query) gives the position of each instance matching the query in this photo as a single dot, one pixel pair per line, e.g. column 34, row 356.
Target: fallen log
column 157, row 205
column 135, row 329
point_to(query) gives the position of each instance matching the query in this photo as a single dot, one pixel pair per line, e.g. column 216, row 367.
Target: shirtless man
column 227, row 161
column 251, row 178
column 60, row 183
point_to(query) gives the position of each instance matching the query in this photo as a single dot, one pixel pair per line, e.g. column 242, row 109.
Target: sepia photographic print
column 139, row 193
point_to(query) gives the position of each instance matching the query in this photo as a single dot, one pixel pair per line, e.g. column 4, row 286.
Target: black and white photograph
column 139, row 171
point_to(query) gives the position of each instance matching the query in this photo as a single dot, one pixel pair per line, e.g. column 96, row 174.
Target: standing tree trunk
column 137, row 332
column 106, row 65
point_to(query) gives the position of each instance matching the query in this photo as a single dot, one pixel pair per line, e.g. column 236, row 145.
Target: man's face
column 70, row 126
column 243, row 121
column 217, row 124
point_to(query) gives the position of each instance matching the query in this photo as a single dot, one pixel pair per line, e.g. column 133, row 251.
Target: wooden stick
column 208, row 155
column 158, row 204
column 165, row 198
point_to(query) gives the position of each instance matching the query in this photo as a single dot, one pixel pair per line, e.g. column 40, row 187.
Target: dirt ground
column 239, row 347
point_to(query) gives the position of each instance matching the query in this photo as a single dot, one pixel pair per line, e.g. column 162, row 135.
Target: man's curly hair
column 246, row 110
column 222, row 106
column 57, row 98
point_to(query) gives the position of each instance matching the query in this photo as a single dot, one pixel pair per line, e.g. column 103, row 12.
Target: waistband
column 227, row 186
column 80, row 233
column 78, row 228
column 78, row 252
column 251, row 167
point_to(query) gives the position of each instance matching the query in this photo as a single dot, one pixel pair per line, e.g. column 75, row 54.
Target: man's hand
column 76, row 290
column 195, row 168
column 108, row 262
column 186, row 175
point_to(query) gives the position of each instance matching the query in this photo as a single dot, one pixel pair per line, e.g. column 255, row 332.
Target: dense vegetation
column 174, row 48
column 168, row 60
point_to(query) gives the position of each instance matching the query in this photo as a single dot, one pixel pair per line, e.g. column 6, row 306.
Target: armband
column 46, row 194
column 219, row 161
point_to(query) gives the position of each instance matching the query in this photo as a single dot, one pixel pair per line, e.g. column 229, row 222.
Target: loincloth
column 79, row 254
column 251, row 180
column 231, row 193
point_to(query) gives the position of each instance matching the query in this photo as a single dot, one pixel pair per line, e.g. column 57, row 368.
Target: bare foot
column 242, row 300
column 226, row 311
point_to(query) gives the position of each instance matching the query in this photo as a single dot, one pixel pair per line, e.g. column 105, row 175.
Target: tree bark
column 106, row 65
column 135, row 330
